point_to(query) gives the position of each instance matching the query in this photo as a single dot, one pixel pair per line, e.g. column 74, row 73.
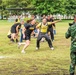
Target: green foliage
column 42, row 6
column 17, row 3
column 13, row 4
column 71, row 6
column 49, row 6
column 55, row 6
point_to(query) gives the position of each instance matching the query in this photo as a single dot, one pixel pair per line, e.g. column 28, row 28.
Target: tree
column 17, row 3
column 55, row 6
column 49, row 6
column 13, row 4
column 42, row 6
column 70, row 7
column 2, row 7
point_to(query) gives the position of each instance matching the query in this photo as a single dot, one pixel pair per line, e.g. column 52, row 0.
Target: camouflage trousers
column 73, row 62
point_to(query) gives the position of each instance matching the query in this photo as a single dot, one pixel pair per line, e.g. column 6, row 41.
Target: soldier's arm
column 17, row 29
column 38, row 25
column 51, row 23
column 68, row 33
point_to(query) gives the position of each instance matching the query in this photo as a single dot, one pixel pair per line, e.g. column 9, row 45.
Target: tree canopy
column 42, row 6
column 55, row 6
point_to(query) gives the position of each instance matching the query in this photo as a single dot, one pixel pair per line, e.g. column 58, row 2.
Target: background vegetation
column 42, row 6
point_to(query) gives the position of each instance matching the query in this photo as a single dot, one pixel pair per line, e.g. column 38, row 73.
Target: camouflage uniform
column 72, row 33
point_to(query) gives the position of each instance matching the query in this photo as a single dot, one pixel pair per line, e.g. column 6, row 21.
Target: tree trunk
column 2, row 15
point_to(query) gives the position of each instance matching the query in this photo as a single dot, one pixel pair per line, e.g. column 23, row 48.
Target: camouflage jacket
column 72, row 33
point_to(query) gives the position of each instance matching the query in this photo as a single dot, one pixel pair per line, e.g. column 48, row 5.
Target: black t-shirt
column 29, row 29
column 51, row 20
column 16, row 24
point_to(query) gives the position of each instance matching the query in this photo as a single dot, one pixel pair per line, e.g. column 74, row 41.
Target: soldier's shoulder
column 73, row 26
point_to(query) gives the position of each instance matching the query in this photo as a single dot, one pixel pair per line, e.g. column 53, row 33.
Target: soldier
column 43, row 33
column 50, row 28
column 72, row 33
column 27, row 31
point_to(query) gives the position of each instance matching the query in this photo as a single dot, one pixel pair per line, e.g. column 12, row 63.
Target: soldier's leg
column 48, row 40
column 72, row 65
column 52, row 34
column 38, row 40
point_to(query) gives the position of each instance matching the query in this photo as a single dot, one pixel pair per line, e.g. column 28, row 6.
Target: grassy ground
column 41, row 62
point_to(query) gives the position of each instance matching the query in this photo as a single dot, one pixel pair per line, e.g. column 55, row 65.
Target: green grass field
column 41, row 62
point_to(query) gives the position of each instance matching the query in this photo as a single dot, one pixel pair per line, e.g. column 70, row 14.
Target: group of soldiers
column 30, row 27
column 44, row 27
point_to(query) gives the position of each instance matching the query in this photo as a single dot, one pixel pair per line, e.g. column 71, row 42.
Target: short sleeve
column 26, row 25
column 39, row 25
column 49, row 23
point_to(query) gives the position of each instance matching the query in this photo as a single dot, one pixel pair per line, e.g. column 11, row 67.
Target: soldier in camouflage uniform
column 72, row 33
